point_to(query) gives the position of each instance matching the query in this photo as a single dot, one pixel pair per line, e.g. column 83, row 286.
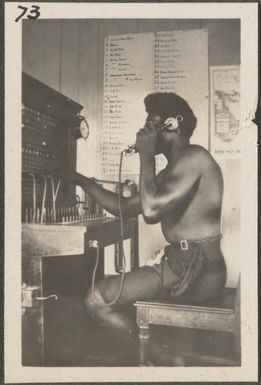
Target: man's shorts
column 183, row 263
column 192, row 270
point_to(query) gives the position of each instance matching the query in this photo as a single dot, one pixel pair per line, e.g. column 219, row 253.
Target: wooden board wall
column 68, row 54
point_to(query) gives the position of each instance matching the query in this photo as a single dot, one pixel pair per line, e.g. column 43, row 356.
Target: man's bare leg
column 142, row 284
column 108, row 316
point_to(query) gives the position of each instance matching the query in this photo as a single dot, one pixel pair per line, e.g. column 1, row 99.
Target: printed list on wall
column 138, row 64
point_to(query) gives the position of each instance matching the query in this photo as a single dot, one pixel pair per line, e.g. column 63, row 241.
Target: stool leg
column 144, row 340
column 143, row 324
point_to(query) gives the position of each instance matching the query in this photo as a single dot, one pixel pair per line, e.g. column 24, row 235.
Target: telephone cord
column 121, row 248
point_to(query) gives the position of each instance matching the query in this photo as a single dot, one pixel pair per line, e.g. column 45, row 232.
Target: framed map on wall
column 225, row 111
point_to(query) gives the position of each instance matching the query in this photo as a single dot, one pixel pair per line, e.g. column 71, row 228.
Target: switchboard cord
column 34, row 197
column 121, row 248
column 44, row 198
column 54, row 194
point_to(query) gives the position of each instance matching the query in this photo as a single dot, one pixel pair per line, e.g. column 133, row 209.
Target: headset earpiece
column 172, row 124
column 175, row 124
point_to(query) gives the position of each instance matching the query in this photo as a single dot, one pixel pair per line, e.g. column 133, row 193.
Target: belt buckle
column 184, row 244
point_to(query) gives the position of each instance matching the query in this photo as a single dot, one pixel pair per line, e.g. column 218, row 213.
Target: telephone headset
column 170, row 124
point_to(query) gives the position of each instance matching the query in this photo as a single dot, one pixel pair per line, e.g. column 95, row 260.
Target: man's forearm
column 107, row 199
column 148, row 184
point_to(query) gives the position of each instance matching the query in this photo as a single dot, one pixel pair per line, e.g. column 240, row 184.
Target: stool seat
column 221, row 314
column 226, row 300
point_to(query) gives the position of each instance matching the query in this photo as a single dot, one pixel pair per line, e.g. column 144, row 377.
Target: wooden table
column 57, row 261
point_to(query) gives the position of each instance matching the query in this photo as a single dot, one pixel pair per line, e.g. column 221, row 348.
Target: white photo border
column 14, row 371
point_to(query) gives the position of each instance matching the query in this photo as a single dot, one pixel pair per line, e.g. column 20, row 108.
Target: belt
column 185, row 244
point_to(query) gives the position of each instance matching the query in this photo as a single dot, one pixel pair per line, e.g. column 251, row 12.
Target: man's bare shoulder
column 198, row 154
column 194, row 159
column 198, row 151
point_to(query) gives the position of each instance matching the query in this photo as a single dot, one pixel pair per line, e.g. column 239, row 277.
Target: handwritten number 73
column 32, row 14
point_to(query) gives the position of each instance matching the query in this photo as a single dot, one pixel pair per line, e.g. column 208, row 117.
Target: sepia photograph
column 131, row 187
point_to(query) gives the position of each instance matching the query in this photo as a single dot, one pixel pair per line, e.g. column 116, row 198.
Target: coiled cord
column 121, row 248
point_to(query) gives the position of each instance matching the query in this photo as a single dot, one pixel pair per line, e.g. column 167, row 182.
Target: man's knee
column 106, row 316
column 92, row 300
column 95, row 303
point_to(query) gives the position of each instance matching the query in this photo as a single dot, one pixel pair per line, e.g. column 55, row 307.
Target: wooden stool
column 219, row 315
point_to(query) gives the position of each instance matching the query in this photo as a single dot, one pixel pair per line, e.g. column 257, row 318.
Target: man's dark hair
column 169, row 104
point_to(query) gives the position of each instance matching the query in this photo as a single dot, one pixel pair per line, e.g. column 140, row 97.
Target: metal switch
column 29, row 294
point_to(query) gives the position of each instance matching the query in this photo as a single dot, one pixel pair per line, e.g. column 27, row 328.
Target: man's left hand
column 147, row 139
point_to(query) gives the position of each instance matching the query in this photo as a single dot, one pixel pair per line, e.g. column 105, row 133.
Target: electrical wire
column 34, row 196
column 121, row 248
column 54, row 194
column 44, row 197
column 96, row 264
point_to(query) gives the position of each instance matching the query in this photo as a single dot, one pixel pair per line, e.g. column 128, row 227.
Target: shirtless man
column 185, row 197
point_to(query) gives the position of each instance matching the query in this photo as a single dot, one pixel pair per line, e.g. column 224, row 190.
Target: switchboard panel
column 48, row 119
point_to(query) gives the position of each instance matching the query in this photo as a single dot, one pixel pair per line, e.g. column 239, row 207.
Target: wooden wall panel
column 88, row 95
column 185, row 24
column 70, row 54
column 88, row 65
column 147, row 25
column 154, row 25
column 231, row 229
column 52, row 53
column 224, row 41
column 231, row 42
column 41, row 50
column 168, row 25
column 215, row 41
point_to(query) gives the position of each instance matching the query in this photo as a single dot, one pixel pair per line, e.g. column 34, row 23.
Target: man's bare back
column 191, row 188
column 198, row 215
